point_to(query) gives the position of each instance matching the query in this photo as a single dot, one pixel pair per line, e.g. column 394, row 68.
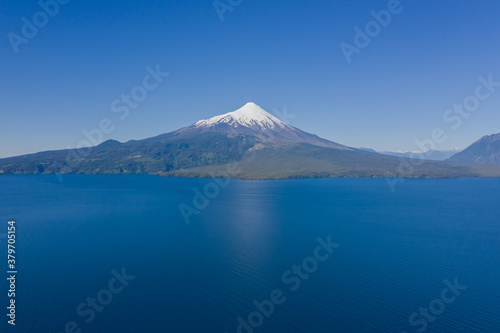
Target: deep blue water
column 396, row 250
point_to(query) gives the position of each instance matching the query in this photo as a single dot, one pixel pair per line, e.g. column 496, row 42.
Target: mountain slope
column 282, row 163
column 485, row 150
column 248, row 143
column 435, row 155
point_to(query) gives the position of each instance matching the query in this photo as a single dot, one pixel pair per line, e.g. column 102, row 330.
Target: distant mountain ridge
column 248, row 143
column 485, row 150
column 435, row 155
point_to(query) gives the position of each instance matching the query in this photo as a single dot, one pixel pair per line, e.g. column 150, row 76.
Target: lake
column 116, row 254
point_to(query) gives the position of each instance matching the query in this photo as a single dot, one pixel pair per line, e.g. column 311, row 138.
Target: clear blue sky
column 280, row 53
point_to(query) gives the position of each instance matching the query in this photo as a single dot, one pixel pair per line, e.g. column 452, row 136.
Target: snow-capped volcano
column 251, row 119
column 250, row 115
column 213, row 147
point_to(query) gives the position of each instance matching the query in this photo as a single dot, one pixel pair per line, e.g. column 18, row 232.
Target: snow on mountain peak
column 250, row 115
